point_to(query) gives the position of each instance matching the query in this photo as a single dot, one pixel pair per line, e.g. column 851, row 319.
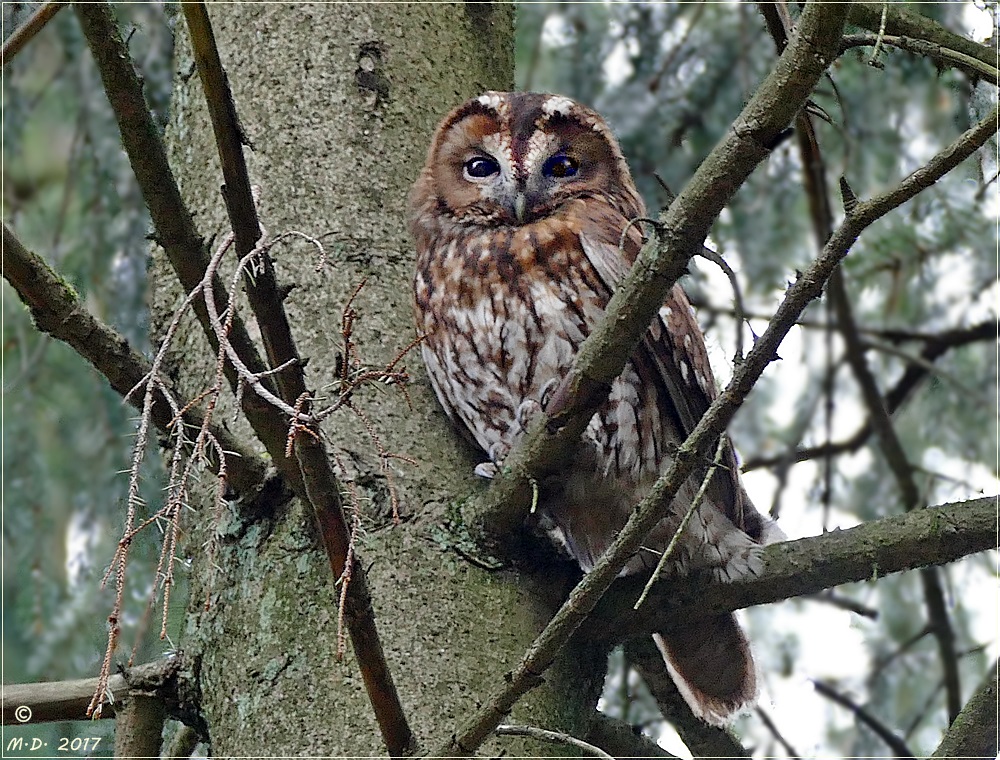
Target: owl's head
column 510, row 158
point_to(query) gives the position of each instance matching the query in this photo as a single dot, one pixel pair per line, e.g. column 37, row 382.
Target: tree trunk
column 339, row 103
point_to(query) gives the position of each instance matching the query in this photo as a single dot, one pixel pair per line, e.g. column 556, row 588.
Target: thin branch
column 897, row 745
column 553, row 737
column 845, row 603
column 26, row 32
column 939, row 622
column 262, row 289
column 769, row 724
column 924, row 537
column 903, row 22
column 974, row 732
column 968, row 392
column 940, row 54
column 883, row 662
column 172, row 221
column 58, row 311
column 322, row 490
column 618, row 738
column 878, row 415
column 936, row 345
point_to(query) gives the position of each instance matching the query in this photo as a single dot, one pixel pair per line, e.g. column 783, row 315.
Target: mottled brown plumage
column 518, row 218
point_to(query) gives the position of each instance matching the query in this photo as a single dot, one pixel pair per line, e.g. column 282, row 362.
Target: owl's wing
column 675, row 349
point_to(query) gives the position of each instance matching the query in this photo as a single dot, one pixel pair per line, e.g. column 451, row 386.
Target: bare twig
column 769, row 724
column 620, row 739
column 26, row 32
column 553, row 737
column 897, row 745
column 692, row 508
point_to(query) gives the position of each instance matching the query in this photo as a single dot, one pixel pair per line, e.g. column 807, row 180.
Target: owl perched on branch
column 518, row 217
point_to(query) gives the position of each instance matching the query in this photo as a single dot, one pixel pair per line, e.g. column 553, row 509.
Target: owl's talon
column 545, row 394
column 487, row 470
column 525, row 411
column 498, row 451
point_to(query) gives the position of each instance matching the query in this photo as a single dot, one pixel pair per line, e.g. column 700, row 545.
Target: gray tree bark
column 339, row 103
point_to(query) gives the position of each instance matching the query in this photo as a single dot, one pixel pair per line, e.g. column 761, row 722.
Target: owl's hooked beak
column 520, row 207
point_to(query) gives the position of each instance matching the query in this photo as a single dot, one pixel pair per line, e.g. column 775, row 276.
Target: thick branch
column 974, row 734
column 68, row 700
column 175, row 230
column 922, row 538
column 57, row 310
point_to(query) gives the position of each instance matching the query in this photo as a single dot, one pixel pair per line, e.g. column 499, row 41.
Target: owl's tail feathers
column 711, row 664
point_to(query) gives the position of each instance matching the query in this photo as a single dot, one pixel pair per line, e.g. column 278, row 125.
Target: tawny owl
column 518, row 218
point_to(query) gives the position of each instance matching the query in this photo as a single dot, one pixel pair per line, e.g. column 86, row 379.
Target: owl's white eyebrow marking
column 490, row 100
column 557, row 104
column 540, row 144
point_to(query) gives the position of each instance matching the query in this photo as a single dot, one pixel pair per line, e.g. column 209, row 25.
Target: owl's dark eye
column 560, row 166
column 479, row 167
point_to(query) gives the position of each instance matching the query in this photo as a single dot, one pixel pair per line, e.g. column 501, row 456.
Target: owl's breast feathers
column 504, row 301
